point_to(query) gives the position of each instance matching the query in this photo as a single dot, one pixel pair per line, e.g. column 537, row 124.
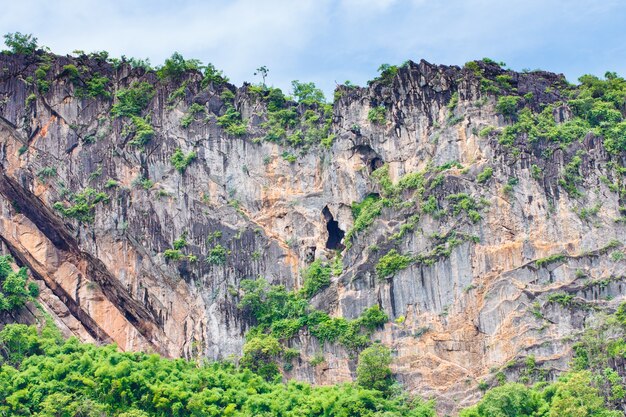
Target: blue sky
column 329, row 41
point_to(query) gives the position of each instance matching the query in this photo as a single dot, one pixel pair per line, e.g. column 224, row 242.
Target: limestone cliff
column 494, row 236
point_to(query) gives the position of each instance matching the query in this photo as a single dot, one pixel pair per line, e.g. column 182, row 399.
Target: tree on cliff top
column 19, row 43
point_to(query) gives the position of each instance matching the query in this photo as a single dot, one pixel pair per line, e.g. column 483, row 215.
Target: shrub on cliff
column 176, row 66
column 14, row 292
column 133, row 100
column 19, row 43
column 316, row 277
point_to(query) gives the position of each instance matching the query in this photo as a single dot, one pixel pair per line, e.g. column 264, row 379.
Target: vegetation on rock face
column 281, row 314
column 14, row 292
column 133, row 100
column 316, row 277
column 391, row 263
column 43, row 375
column 83, row 205
column 377, row 115
column 180, row 161
column 593, row 388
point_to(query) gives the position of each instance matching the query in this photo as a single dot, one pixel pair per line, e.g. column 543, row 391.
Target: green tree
column 373, row 370
column 19, row 43
column 176, row 66
column 510, row 400
column 307, row 93
column 262, row 71
column 575, row 396
column 260, row 353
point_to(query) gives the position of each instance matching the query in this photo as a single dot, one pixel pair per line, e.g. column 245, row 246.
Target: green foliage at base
column 45, row 376
column 572, row 396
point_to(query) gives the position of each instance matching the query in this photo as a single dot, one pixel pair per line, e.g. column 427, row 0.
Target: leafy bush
column 465, row 203
column 14, row 292
column 84, row 205
column 387, row 74
column 391, row 263
column 571, row 177
column 180, row 161
column 231, row 122
column 193, row 110
column 95, row 86
column 71, row 72
column 176, row 66
column 558, row 257
column 316, row 277
column 507, row 105
column 133, row 100
column 307, row 93
column 284, row 313
column 173, row 254
column 364, row 214
column 19, row 43
column 46, row 172
column 142, row 131
column 486, row 131
column 213, row 76
column 260, row 353
column 377, row 115
column 217, row 255
column 485, row 175
column 41, row 75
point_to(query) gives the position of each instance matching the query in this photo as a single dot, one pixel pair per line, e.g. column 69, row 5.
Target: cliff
column 485, row 242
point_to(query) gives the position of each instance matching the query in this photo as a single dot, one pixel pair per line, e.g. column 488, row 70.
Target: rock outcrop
column 488, row 264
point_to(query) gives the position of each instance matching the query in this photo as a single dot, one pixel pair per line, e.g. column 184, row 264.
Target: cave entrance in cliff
column 370, row 158
column 335, row 234
column 376, row 163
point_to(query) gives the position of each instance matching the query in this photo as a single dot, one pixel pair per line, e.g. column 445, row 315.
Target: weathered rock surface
column 452, row 322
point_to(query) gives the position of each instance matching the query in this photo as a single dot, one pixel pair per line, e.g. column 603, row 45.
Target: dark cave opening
column 370, row 158
column 376, row 163
column 335, row 234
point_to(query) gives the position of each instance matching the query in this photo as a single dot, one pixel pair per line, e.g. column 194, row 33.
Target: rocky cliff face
column 504, row 260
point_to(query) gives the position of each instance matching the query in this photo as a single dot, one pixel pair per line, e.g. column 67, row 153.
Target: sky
column 331, row 41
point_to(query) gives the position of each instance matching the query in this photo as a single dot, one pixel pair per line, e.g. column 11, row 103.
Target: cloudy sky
column 329, row 41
